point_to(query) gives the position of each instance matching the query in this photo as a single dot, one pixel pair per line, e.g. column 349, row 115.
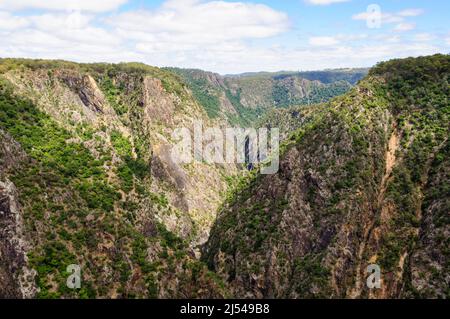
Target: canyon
column 87, row 178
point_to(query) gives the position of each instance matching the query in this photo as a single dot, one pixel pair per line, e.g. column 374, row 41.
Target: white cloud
column 10, row 22
column 323, row 41
column 213, row 35
column 180, row 32
column 194, row 33
column 385, row 17
column 389, row 39
column 196, row 22
column 411, row 12
column 57, row 35
column 424, row 37
column 324, row 2
column 62, row 5
column 389, row 18
column 339, row 39
column 275, row 59
column 403, row 27
column 55, row 22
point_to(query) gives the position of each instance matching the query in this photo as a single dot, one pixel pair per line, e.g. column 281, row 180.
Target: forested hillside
column 242, row 99
column 363, row 181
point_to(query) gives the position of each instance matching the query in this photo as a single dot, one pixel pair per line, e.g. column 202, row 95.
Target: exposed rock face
column 429, row 263
column 76, row 98
column 87, row 90
column 166, row 170
column 287, row 233
column 17, row 279
column 88, row 148
column 65, row 94
column 158, row 106
column 87, row 178
column 11, row 153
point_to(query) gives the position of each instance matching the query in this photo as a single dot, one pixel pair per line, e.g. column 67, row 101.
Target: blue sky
column 226, row 36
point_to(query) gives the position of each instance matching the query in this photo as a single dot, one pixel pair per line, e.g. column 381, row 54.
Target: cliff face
column 364, row 181
column 429, row 263
column 88, row 177
column 17, row 277
column 16, row 274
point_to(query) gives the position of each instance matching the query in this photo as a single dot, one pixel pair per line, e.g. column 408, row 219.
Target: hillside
column 87, row 178
column 242, row 99
column 364, row 181
column 352, row 75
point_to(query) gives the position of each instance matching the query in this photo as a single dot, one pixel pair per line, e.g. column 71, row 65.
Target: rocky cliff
column 363, row 182
column 87, row 179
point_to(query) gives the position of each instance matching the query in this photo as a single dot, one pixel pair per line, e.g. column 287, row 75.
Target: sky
column 226, row 36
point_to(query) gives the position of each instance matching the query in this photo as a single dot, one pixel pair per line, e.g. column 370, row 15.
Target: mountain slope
column 241, row 99
column 352, row 75
column 364, row 181
column 86, row 179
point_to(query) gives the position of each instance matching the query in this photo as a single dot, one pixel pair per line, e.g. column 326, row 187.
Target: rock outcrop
column 17, row 278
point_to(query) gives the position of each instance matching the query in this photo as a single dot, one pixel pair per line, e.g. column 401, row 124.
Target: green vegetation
column 121, row 144
column 130, row 167
column 284, row 97
column 206, row 96
column 261, row 92
column 297, row 230
column 246, row 115
column 311, row 273
column 419, row 93
column 351, row 76
column 113, row 95
column 88, row 197
column 83, row 205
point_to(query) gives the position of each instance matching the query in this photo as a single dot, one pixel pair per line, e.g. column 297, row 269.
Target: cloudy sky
column 225, row 36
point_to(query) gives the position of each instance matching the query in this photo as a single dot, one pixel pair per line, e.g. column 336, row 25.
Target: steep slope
column 365, row 181
column 429, row 268
column 290, row 119
column 241, row 99
column 86, row 179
